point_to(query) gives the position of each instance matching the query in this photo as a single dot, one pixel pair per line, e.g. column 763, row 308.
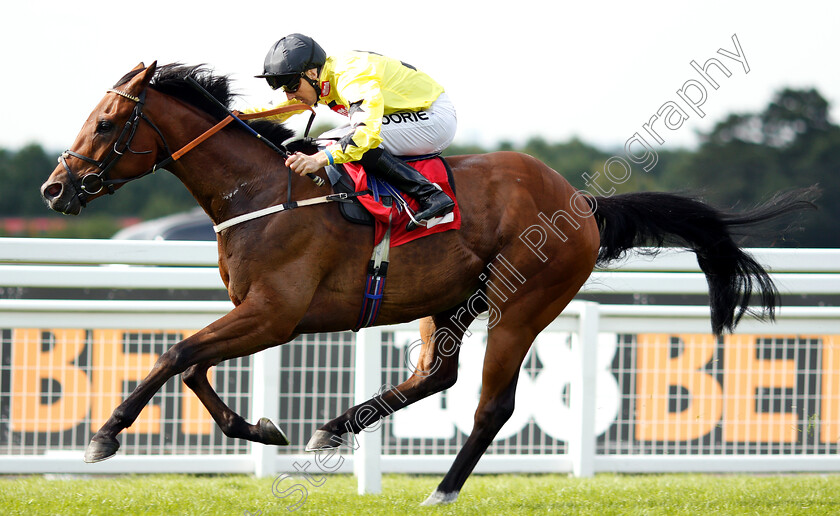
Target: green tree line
column 742, row 161
column 23, row 172
column 739, row 163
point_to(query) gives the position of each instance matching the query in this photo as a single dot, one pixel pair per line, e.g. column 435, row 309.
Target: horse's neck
column 227, row 184
column 231, row 173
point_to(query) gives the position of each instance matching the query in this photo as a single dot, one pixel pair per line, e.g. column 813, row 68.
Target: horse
column 527, row 243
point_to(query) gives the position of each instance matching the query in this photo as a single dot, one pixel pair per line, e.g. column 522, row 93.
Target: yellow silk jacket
column 365, row 87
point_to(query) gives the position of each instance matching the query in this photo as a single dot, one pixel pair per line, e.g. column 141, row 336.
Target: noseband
column 93, row 183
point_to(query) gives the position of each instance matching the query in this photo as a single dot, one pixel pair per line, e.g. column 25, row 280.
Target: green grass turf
column 401, row 494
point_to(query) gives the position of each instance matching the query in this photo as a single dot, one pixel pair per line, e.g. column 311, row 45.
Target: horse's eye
column 104, row 126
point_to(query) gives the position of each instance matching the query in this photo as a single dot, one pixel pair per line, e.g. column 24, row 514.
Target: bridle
column 93, row 183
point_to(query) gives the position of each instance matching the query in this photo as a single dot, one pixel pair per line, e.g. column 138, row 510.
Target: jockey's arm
column 365, row 119
column 365, row 103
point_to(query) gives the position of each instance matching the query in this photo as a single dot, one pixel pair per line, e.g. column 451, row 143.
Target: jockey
column 394, row 110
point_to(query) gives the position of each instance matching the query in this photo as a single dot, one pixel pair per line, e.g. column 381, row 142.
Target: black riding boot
column 433, row 201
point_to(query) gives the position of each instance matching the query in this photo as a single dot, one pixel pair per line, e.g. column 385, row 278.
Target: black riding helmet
column 290, row 58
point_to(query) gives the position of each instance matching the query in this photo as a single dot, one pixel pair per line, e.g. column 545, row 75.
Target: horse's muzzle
column 61, row 197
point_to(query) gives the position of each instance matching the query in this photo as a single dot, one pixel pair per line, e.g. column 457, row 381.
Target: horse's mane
column 171, row 80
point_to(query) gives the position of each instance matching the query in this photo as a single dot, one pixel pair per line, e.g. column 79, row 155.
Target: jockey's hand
column 304, row 164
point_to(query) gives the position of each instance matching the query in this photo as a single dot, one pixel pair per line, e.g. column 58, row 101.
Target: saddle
column 380, row 208
column 386, row 209
column 352, row 210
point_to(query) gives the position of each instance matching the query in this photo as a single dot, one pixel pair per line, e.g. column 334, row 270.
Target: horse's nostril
column 53, row 190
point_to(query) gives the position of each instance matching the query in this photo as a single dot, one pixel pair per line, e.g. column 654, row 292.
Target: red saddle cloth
column 432, row 169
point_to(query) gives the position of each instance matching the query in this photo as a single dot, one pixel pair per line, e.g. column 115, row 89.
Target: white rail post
column 265, row 402
column 582, row 443
column 366, row 458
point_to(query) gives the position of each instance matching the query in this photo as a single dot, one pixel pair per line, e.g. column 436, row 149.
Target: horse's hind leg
column 436, row 370
column 232, row 424
column 508, row 342
column 495, row 407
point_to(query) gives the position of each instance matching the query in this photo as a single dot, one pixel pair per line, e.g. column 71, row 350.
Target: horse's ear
column 150, row 71
column 140, row 66
column 142, row 79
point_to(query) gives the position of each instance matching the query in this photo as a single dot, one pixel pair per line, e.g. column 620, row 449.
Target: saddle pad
column 435, row 170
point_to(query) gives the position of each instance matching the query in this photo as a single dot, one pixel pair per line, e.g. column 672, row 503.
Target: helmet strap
column 315, row 83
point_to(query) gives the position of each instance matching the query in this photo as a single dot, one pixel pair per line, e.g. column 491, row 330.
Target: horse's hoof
column 270, row 434
column 323, row 440
column 97, row 451
column 439, row 498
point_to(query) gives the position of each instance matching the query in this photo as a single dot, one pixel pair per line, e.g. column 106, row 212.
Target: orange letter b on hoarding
column 33, row 368
column 658, row 372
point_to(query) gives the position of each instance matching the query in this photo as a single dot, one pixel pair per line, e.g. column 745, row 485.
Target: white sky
column 514, row 69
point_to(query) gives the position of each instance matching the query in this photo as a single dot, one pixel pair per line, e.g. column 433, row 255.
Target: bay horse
column 303, row 270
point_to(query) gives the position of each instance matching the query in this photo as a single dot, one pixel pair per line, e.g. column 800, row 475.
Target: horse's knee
column 173, row 361
column 192, row 375
column 444, row 380
column 436, row 381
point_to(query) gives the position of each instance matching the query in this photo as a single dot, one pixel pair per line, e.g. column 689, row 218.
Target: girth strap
column 339, row 197
column 375, row 284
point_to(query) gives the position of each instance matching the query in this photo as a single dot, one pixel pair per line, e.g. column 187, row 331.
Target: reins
column 93, row 183
column 234, row 115
column 240, row 118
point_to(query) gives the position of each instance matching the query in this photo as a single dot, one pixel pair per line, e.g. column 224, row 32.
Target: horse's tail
column 660, row 219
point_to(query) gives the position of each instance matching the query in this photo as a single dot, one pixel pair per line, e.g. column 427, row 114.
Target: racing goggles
column 288, row 83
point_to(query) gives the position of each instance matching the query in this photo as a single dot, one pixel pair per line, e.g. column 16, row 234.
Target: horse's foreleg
column 232, row 424
column 436, row 370
column 243, row 331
